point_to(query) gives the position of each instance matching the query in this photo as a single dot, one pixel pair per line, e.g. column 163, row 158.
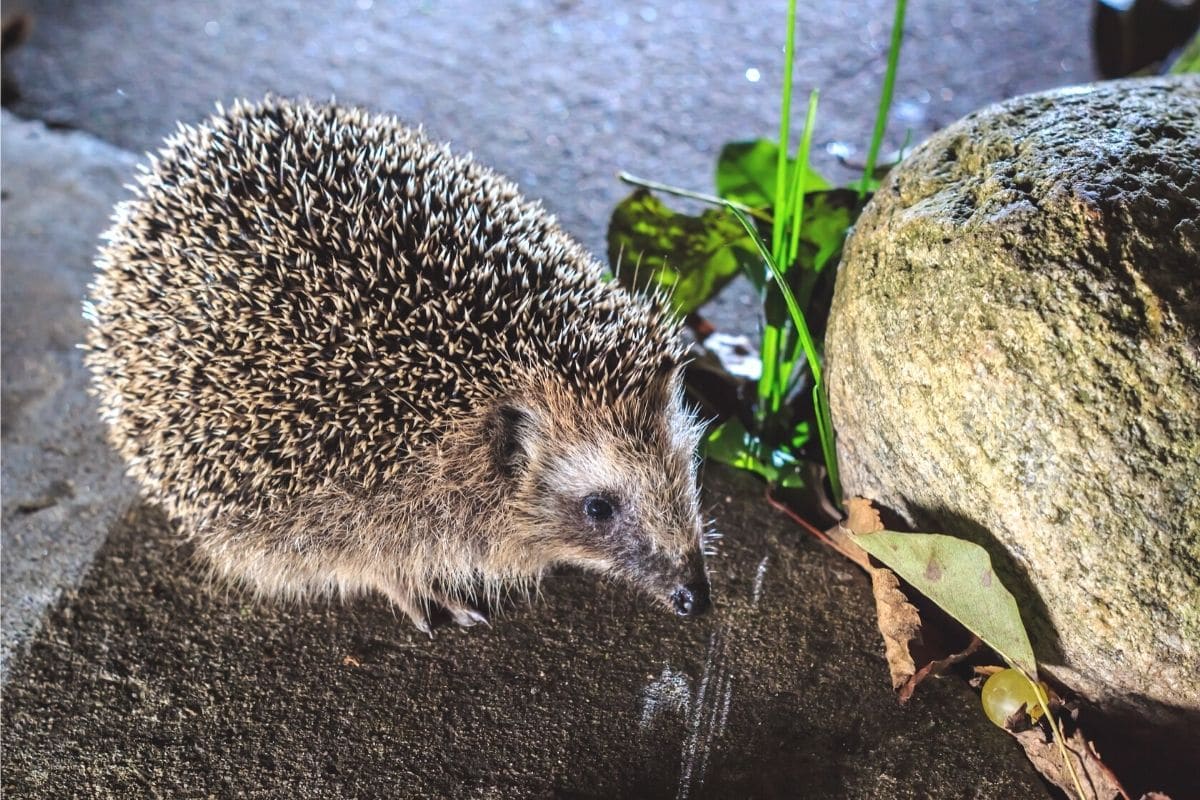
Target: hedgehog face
column 614, row 490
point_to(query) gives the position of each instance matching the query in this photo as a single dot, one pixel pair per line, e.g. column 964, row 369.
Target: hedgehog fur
column 345, row 359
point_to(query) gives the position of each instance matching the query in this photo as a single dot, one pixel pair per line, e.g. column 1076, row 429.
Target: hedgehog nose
column 691, row 600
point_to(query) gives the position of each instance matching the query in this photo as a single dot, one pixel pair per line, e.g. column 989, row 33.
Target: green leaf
column 958, row 576
column 689, row 257
column 828, row 215
column 746, row 173
column 732, row 444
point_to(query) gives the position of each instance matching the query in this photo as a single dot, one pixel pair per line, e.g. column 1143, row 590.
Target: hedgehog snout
column 686, row 588
column 692, row 599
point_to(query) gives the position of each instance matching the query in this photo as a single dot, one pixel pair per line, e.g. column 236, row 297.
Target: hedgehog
column 345, row 360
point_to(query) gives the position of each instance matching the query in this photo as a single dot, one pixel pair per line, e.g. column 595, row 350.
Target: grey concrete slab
column 62, row 487
column 558, row 95
column 148, row 684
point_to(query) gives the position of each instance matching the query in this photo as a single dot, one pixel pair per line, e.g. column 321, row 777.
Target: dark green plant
column 783, row 225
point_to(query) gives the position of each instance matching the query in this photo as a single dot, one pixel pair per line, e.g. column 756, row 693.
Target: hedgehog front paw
column 452, row 607
column 417, row 612
column 437, row 610
column 464, row 614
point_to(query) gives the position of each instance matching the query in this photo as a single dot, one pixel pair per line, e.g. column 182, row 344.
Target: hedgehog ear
column 512, row 432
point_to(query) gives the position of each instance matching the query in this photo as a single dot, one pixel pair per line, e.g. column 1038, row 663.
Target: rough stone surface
column 62, row 486
column 1015, row 357
column 147, row 682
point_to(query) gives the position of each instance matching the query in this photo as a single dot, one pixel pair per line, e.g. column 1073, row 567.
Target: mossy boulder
column 1014, row 358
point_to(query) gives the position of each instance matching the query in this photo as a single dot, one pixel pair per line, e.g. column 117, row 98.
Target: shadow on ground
column 145, row 680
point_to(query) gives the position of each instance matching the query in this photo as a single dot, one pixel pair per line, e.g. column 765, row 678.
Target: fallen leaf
column 937, row 564
column 1095, row 778
column 898, row 619
column 858, row 520
column 351, row 661
column 862, row 516
column 957, row 575
column 899, row 623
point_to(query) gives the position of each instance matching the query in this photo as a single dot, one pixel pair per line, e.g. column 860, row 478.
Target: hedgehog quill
column 346, row 360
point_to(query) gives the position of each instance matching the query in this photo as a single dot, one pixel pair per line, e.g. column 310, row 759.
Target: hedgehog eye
column 597, row 507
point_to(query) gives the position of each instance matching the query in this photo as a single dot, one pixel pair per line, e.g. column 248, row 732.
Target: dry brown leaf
column 861, row 516
column 1096, row 779
column 899, row 623
column 351, row 661
column 898, row 619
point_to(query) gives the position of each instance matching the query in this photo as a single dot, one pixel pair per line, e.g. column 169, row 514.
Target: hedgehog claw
column 461, row 612
column 420, row 619
column 422, row 624
column 416, row 612
column 466, row 617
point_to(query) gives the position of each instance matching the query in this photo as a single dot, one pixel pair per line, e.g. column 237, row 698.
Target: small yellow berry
column 1006, row 691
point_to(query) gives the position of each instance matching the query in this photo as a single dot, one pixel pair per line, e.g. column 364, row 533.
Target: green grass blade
column 810, row 348
column 885, row 97
column 790, row 220
column 769, row 355
column 824, row 420
column 796, row 197
column 785, row 112
column 828, row 443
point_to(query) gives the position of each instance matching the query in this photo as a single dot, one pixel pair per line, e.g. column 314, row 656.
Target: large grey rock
column 1014, row 357
column 62, row 487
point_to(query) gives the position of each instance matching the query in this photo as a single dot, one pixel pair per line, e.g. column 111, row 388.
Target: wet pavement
column 142, row 681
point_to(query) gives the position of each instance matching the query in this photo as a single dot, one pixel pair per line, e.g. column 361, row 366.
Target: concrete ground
column 146, row 683
column 124, row 676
